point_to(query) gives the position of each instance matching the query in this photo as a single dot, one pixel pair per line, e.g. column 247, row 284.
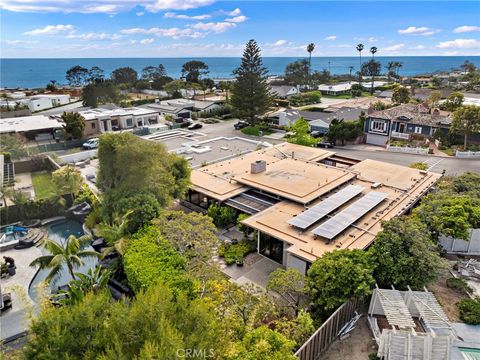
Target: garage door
column 375, row 139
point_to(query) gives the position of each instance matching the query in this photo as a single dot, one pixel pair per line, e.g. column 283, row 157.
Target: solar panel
column 315, row 213
column 334, row 226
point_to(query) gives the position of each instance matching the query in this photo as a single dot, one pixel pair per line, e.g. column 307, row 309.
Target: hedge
column 470, row 311
column 40, row 209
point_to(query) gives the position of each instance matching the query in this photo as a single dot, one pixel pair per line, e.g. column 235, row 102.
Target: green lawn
column 255, row 130
column 42, row 184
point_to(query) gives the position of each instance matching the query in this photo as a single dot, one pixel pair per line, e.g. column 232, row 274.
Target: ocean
column 34, row 73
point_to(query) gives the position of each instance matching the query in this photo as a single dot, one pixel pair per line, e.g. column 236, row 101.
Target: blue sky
column 184, row 28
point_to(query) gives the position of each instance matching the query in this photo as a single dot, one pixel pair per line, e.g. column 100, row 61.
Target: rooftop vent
column 258, row 166
column 376, row 185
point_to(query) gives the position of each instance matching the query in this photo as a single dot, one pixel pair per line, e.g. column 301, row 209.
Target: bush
column 40, row 209
column 419, row 166
column 150, row 259
column 221, row 215
column 470, row 311
column 86, row 195
column 234, row 252
column 255, row 130
column 311, row 97
column 459, row 285
column 243, row 228
column 143, row 207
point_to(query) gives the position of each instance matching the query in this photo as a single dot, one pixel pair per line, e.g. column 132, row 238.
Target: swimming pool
column 59, row 232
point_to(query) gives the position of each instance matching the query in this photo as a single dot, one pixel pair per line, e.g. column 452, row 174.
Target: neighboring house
column 305, row 202
column 36, row 127
column 336, row 89
column 183, row 108
column 319, row 121
column 400, row 122
column 100, row 120
column 37, row 102
column 284, row 91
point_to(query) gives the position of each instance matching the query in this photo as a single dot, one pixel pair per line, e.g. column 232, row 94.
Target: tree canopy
column 77, row 75
column 405, row 254
column 251, row 93
column 454, row 101
column 124, row 75
column 301, row 136
column 130, row 165
column 100, row 92
column 74, row 124
column 297, row 72
column 400, row 95
column 338, row 276
column 466, row 121
column 67, row 180
column 193, row 71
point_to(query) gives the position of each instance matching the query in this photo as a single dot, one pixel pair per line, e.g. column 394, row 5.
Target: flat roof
column 96, row 113
column 28, row 123
column 293, row 174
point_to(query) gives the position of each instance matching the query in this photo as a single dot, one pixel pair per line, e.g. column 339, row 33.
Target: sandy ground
column 357, row 346
column 448, row 298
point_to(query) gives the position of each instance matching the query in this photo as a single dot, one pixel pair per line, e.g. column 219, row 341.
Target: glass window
column 271, row 248
column 378, row 126
column 93, row 125
column 129, row 122
column 418, row 130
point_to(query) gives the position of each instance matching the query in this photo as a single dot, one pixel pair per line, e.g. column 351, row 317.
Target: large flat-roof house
column 183, row 108
column 36, row 127
column 284, row 91
column 36, row 102
column 335, row 89
column 101, row 120
column 400, row 122
column 306, row 201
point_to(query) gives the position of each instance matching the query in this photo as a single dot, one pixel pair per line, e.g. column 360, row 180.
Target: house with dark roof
column 401, row 122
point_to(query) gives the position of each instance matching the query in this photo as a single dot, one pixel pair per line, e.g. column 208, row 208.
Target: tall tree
column 338, row 276
column 360, row 48
column 100, row 92
column 125, row 75
column 77, row 75
column 173, row 88
column 298, row 73
column 95, row 74
column 454, row 101
column 372, row 69
column 404, row 254
column 70, row 255
column 466, row 121
column 350, row 69
column 74, row 124
column 251, row 93
column 193, row 71
column 290, row 285
column 401, row 95
column 434, row 97
column 226, row 86
column 310, row 48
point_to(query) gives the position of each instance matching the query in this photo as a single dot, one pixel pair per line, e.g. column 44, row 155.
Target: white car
column 90, row 144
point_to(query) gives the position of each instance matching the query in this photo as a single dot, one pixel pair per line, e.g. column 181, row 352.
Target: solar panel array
column 315, row 213
column 334, row 226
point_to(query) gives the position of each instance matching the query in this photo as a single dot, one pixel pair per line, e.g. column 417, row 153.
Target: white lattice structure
column 430, row 338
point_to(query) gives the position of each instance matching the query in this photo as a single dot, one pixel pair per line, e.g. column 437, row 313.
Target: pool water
column 59, row 232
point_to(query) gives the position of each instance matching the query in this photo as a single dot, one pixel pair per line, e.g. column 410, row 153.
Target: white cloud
column 459, row 44
column 216, row 27
column 174, row 33
column 417, row 47
column 331, row 37
column 96, row 6
column 140, row 13
column 280, row 42
column 422, row 31
column 50, row 30
column 173, row 15
column 395, row 47
column 372, row 39
column 237, row 19
column 95, row 36
column 466, row 28
column 159, row 5
column 235, row 12
column 147, row 41
column 20, row 42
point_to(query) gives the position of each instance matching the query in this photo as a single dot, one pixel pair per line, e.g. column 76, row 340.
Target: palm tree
column 350, row 68
column 397, row 68
column 391, row 66
column 360, row 49
column 70, row 254
column 310, row 48
column 373, row 50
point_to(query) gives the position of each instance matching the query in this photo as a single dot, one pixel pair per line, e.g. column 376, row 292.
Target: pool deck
column 16, row 319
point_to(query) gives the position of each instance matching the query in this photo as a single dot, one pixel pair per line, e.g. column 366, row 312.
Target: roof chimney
column 258, row 166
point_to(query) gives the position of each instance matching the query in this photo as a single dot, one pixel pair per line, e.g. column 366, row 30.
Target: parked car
column 195, row 126
column 316, row 134
column 240, row 125
column 90, row 144
column 325, row 145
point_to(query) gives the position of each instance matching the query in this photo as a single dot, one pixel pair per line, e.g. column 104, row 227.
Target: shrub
column 243, row 228
column 234, row 252
column 459, row 285
column 40, row 209
column 470, row 311
column 419, row 166
column 255, row 130
column 143, row 206
column 221, row 215
column 150, row 259
column 86, row 195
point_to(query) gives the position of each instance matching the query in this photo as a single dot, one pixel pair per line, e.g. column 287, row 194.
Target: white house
column 37, row 102
column 285, row 91
column 335, row 89
column 36, row 127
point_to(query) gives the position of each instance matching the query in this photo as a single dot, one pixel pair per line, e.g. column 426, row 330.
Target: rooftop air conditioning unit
column 376, row 185
column 258, row 166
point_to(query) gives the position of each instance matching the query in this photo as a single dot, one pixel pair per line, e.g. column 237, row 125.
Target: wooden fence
column 328, row 332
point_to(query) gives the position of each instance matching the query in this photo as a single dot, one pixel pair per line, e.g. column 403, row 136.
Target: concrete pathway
column 16, row 319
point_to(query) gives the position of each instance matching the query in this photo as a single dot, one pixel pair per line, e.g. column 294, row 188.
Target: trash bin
column 11, row 270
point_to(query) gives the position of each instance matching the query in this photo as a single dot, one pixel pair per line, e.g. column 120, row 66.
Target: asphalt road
column 451, row 165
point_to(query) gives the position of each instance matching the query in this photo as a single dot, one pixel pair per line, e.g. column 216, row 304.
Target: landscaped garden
column 42, row 184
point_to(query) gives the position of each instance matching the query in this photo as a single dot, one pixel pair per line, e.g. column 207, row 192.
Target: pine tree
column 251, row 93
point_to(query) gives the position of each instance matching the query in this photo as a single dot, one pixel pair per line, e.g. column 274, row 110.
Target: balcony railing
column 400, row 135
